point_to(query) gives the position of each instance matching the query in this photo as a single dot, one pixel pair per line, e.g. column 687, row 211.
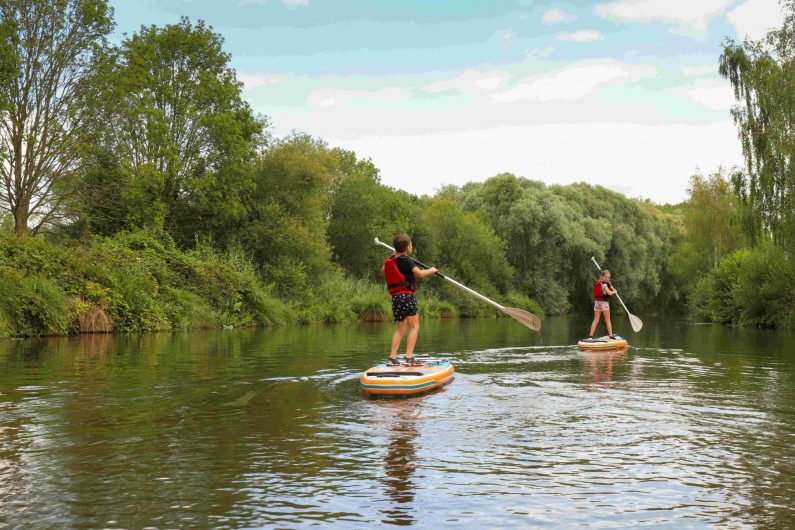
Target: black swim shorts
column 403, row 305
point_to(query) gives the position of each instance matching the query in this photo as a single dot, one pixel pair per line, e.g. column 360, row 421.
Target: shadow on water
column 693, row 425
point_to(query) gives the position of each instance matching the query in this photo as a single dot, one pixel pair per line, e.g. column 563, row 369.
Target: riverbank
column 141, row 281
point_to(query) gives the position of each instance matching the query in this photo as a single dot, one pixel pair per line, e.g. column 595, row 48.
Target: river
column 693, row 426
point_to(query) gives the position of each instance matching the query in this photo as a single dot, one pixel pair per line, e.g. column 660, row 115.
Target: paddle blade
column 636, row 323
column 528, row 319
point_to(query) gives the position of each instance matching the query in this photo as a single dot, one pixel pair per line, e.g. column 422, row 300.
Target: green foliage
column 285, row 230
column 550, row 234
column 762, row 74
column 435, row 308
column 32, row 305
column 48, row 50
column 712, row 228
column 462, row 245
column 361, row 209
column 521, row 301
column 750, row 287
column 176, row 137
column 372, row 307
column 135, row 281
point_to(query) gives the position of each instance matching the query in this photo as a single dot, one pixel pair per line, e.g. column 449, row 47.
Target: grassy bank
column 141, row 281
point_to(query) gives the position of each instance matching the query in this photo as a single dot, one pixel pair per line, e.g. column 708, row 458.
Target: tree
column 763, row 76
column 363, row 208
column 712, row 227
column 48, row 51
column 175, row 119
column 286, row 219
column 550, row 234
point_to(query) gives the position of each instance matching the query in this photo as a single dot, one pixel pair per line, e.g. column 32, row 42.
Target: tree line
column 141, row 191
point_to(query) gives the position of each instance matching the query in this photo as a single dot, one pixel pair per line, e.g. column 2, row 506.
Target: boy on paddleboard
column 602, row 291
column 401, row 272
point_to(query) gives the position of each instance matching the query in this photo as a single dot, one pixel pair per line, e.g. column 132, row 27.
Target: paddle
column 637, row 323
column 528, row 319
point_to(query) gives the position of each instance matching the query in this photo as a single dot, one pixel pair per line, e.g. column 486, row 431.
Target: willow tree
column 47, row 52
column 762, row 74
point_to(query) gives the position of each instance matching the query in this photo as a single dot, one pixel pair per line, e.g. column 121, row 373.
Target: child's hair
column 401, row 242
column 605, row 272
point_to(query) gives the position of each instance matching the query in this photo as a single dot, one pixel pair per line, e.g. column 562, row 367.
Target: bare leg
column 609, row 325
column 596, row 316
column 397, row 337
column 414, row 329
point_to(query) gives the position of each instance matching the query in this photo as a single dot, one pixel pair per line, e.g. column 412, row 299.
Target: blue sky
column 623, row 93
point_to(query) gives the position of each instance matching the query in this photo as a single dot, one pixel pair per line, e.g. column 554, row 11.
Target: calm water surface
column 693, row 426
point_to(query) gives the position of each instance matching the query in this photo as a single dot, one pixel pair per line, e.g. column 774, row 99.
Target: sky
column 621, row 93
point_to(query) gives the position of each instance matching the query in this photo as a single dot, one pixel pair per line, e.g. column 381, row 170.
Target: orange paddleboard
column 603, row 343
column 383, row 380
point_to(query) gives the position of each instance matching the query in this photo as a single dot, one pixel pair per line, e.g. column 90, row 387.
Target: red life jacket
column 598, row 293
column 396, row 281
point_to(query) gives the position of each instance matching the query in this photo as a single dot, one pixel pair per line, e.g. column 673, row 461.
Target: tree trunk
column 21, row 220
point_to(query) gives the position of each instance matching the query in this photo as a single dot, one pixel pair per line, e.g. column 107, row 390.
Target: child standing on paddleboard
column 401, row 272
column 602, row 291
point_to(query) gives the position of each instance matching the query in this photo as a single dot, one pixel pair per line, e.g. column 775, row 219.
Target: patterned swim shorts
column 403, row 305
column 601, row 305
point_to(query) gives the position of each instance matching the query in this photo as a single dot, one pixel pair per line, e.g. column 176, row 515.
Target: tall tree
column 712, row 227
column 763, row 76
column 47, row 52
column 175, row 119
column 286, row 220
column 362, row 208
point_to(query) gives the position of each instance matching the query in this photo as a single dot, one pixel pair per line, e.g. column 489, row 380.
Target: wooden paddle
column 636, row 323
column 528, row 319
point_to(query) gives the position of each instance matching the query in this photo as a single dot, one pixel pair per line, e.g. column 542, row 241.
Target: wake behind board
column 383, row 380
column 603, row 343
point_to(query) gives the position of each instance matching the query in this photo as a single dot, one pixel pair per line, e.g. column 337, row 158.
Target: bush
column 373, row 307
column 751, row 287
column 435, row 308
column 88, row 318
column 32, row 304
column 187, row 310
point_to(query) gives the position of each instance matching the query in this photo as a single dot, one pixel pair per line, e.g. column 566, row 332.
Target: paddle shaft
column 459, row 285
column 617, row 295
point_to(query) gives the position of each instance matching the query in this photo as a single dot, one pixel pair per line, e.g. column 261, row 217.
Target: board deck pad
column 603, row 343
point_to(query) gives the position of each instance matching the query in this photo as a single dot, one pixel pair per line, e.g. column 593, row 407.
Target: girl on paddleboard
column 602, row 291
column 401, row 272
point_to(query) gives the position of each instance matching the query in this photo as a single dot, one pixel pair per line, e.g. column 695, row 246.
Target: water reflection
column 400, row 464
column 600, row 364
column 692, row 426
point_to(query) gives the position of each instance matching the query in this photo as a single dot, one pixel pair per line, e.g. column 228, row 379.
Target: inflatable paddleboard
column 603, row 343
column 383, row 380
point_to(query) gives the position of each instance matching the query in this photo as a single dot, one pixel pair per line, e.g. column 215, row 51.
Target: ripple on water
column 242, row 432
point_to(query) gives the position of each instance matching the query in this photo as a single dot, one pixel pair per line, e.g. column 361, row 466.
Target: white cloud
column 469, row 80
column 585, row 35
column 573, row 82
column 631, row 158
column 716, row 97
column 686, row 15
column 332, row 97
column 257, row 79
column 694, row 70
column 555, row 16
column 754, row 18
